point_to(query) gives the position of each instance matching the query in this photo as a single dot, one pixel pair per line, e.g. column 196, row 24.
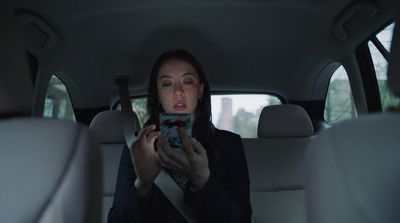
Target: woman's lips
column 180, row 106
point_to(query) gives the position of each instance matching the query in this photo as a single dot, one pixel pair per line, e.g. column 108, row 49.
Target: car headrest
column 108, row 126
column 15, row 82
column 394, row 61
column 284, row 121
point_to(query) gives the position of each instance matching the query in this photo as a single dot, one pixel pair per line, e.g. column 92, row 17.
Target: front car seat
column 50, row 170
column 353, row 173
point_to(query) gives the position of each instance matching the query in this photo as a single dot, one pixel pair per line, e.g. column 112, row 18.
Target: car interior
column 48, row 167
column 311, row 86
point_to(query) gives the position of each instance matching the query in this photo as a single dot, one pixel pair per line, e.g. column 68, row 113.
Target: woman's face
column 179, row 87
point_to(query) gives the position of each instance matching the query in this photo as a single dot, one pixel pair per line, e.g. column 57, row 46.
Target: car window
column 339, row 103
column 58, row 104
column 238, row 113
column 385, row 36
column 139, row 107
column 380, row 64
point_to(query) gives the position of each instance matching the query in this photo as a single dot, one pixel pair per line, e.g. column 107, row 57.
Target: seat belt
column 127, row 112
column 163, row 181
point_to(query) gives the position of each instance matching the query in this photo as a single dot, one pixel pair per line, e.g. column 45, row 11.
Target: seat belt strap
column 127, row 112
column 175, row 195
column 163, row 181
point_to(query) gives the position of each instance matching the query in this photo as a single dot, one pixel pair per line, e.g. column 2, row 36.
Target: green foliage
column 139, row 106
column 245, row 123
column 387, row 98
column 339, row 103
column 57, row 103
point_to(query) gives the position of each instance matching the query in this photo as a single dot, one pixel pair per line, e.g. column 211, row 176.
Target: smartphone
column 169, row 124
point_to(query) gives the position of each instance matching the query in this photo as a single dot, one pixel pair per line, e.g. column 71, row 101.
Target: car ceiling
column 272, row 46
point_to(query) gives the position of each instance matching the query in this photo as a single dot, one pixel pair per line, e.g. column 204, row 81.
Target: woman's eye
column 188, row 82
column 166, row 84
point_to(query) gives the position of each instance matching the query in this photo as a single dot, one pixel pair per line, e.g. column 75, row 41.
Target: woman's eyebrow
column 188, row 73
column 183, row 75
column 164, row 76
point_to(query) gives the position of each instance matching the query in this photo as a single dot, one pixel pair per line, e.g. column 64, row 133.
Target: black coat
column 224, row 198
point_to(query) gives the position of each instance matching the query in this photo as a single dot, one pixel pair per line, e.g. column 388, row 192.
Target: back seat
column 108, row 128
column 276, row 161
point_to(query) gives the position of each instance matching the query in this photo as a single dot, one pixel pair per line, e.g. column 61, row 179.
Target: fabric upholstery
column 276, row 164
column 353, row 172
column 109, row 131
column 276, row 161
column 108, row 126
column 284, row 121
column 50, row 170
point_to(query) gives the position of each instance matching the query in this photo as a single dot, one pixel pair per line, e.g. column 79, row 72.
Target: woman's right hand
column 144, row 158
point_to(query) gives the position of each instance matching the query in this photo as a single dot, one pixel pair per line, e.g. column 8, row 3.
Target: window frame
column 368, row 77
column 367, row 69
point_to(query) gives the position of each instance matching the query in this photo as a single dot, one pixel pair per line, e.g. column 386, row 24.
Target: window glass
column 240, row 113
column 139, row 107
column 385, row 36
column 57, row 103
column 236, row 113
column 339, row 103
column 381, row 65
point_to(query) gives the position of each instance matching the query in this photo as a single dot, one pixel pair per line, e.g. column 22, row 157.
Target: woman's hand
column 193, row 162
column 144, row 159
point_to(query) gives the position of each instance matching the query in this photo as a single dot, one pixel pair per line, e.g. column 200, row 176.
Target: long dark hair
column 203, row 129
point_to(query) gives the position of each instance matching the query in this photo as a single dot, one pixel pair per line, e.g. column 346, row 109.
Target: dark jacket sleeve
column 228, row 201
column 127, row 206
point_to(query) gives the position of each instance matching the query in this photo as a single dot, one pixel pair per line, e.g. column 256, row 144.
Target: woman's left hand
column 193, row 162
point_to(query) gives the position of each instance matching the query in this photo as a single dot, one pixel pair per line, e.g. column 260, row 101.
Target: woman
column 212, row 171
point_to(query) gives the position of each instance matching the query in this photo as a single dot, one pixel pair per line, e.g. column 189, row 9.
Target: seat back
column 49, row 169
column 353, row 172
column 109, row 131
column 276, row 164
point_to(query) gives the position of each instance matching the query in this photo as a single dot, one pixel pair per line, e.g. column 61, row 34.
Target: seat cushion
column 109, row 131
column 353, row 172
column 49, row 171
